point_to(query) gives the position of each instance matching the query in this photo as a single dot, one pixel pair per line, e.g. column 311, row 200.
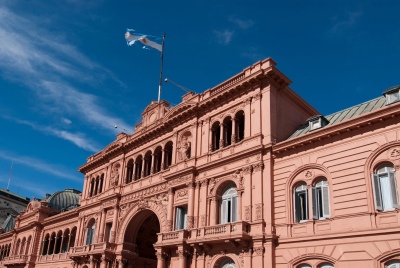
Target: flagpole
column 161, row 69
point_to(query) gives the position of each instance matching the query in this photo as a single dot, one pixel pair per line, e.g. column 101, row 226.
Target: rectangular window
column 107, row 235
column 180, row 218
column 300, row 199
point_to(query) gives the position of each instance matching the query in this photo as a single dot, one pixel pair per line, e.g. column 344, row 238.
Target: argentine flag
column 131, row 37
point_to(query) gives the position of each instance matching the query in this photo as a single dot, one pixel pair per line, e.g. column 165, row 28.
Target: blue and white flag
column 131, row 37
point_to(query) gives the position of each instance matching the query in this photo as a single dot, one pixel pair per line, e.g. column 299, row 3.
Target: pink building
column 246, row 174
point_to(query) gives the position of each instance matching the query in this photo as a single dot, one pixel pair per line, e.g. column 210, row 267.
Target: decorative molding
column 258, row 167
column 145, row 192
column 190, row 222
column 258, row 250
column 247, row 210
column 259, row 211
column 202, row 220
column 309, row 174
column 394, row 153
column 179, row 180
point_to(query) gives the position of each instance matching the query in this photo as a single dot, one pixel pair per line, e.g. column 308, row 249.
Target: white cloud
column 344, row 24
column 79, row 139
column 66, row 121
column 242, row 24
column 224, row 37
column 39, row 165
column 45, row 63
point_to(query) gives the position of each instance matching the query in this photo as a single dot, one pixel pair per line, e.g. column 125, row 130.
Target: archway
column 140, row 236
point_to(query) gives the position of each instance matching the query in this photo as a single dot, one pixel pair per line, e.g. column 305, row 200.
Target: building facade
column 245, row 174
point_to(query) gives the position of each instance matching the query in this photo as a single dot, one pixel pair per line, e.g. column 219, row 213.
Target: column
column 114, row 224
column 101, row 226
column 182, row 257
column 143, row 166
column 103, row 262
column 153, row 163
column 62, row 241
column 160, row 258
column 190, row 218
column 174, row 146
column 48, row 246
column 170, row 211
column 247, row 119
column 162, row 158
column 213, row 214
column 221, row 135
column 196, row 205
column 234, row 130
column 240, row 193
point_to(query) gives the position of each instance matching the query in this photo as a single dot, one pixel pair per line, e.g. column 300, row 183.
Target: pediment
column 179, row 109
column 112, row 147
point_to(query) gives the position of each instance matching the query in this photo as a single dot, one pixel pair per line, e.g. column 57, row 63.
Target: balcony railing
column 17, row 259
column 93, row 248
column 174, row 237
column 231, row 230
column 60, row 256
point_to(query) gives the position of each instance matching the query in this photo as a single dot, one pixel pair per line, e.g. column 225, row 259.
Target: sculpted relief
column 185, row 144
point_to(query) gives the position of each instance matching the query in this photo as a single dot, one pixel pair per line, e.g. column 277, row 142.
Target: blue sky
column 67, row 76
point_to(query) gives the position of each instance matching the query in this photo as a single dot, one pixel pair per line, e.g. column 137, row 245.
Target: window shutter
column 184, row 218
column 393, row 188
column 377, row 192
column 315, row 208
column 297, row 209
column 88, row 236
column 234, row 208
column 306, row 203
column 325, row 201
column 224, row 211
column 178, row 216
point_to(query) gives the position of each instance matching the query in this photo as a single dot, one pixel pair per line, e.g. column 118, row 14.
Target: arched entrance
column 140, row 236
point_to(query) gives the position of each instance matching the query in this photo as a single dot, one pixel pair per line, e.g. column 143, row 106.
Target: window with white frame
column 229, row 205
column 385, row 188
column 90, row 233
column 300, row 203
column 320, row 200
column 393, row 264
column 180, row 218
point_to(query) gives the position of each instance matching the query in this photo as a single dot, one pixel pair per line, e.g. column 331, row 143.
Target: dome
column 64, row 200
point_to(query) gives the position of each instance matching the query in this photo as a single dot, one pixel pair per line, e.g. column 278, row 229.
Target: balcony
column 172, row 238
column 53, row 257
column 232, row 231
column 15, row 260
column 93, row 249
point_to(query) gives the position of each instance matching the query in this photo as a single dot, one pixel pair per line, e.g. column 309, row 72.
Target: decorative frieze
column 145, row 192
column 180, row 180
column 394, row 153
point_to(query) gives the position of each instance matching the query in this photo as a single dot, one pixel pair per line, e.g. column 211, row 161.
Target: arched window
column 215, row 136
column 239, row 126
column 72, row 238
column 393, row 264
column 51, row 245
column 129, row 171
column 66, row 236
column 229, row 263
column 157, row 159
column 320, row 200
column 385, row 188
column 325, row 265
column 96, row 187
column 148, row 158
column 229, row 205
column 168, row 154
column 227, row 131
column 91, row 187
column 300, row 203
column 16, row 252
column 138, row 167
column 90, row 232
column 45, row 244
column 101, row 183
